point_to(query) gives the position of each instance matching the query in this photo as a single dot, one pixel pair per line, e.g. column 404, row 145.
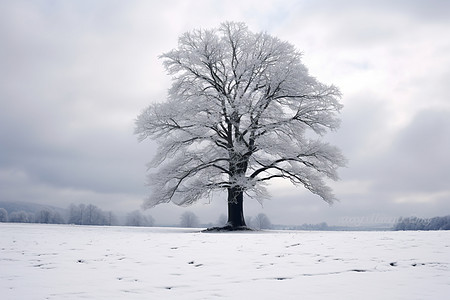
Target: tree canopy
column 242, row 110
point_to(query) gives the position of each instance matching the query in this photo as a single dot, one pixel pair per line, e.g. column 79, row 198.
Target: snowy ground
column 81, row 262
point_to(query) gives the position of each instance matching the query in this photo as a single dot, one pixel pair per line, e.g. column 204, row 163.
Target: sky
column 74, row 75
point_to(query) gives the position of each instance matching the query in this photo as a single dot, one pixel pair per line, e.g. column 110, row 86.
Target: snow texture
column 40, row 261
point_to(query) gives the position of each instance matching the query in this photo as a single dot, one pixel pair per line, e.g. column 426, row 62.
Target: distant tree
column 43, row 216
column 261, row 221
column 320, row 226
column 87, row 215
column 415, row 223
column 136, row 218
column 20, row 217
column 94, row 215
column 48, row 216
column 57, row 218
column 222, row 221
column 189, row 219
column 446, row 223
column 242, row 110
column 150, row 220
column 111, row 219
column 3, row 215
column 76, row 214
column 249, row 220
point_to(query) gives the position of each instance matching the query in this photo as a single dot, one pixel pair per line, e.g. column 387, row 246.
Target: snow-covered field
column 82, row 262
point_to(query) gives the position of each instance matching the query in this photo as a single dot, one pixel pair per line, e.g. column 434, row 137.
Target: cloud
column 75, row 74
column 418, row 159
column 18, row 185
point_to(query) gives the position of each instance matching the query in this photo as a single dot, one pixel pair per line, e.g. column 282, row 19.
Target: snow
column 86, row 262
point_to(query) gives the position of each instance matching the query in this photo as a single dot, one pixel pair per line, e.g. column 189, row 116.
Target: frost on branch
column 240, row 111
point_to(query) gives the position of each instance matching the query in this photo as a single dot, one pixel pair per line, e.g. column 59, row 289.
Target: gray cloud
column 418, row 160
column 75, row 74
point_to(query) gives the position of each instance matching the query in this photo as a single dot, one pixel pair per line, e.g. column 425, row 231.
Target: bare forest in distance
column 88, row 214
column 81, row 214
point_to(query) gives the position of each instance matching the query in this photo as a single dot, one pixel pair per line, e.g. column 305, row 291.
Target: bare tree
column 222, row 221
column 76, row 214
column 20, row 217
column 415, row 223
column 242, row 110
column 93, row 215
column 189, row 219
column 261, row 221
column 88, row 215
column 136, row 218
column 249, row 220
column 57, row 218
column 48, row 216
column 43, row 216
column 111, row 219
column 3, row 215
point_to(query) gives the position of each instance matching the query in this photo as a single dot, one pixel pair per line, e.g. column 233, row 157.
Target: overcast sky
column 75, row 74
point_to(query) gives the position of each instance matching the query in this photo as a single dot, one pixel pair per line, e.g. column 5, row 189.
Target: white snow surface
column 85, row 262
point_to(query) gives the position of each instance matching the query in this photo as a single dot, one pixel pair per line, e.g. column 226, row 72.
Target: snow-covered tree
column 3, row 215
column 222, row 221
column 57, row 218
column 261, row 221
column 111, row 219
column 43, row 216
column 48, row 216
column 242, row 110
column 94, row 216
column 136, row 218
column 88, row 215
column 188, row 219
column 76, row 214
column 415, row 223
column 20, row 217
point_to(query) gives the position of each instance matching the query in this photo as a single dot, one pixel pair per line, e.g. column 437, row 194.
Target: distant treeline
column 21, row 216
column 414, row 223
column 81, row 214
column 319, row 227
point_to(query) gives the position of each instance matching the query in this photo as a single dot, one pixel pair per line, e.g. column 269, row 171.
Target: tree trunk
column 235, row 207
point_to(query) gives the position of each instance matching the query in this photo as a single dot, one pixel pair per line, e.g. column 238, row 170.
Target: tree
column 136, row 218
column 222, row 221
column 48, row 216
column 88, row 215
column 20, row 217
column 3, row 215
column 111, row 219
column 94, row 216
column 76, row 214
column 43, row 216
column 242, row 110
column 261, row 221
column 57, row 218
column 188, row 219
column 415, row 223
